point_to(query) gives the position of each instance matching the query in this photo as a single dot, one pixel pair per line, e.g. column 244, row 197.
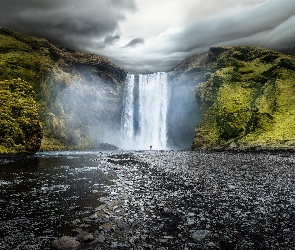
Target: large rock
column 66, row 243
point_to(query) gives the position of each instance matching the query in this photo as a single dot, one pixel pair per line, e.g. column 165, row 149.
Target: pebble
column 93, row 217
column 100, row 239
column 211, row 244
column 66, row 243
column 89, row 237
column 199, row 235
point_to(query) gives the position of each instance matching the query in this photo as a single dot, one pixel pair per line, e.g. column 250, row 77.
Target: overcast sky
column 154, row 35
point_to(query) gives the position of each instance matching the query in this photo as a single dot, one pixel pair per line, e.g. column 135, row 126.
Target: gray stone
column 199, row 235
column 89, row 237
column 211, row 244
column 93, row 217
column 101, row 239
column 66, row 243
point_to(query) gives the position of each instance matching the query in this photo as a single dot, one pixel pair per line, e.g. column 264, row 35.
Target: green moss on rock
column 20, row 130
column 248, row 100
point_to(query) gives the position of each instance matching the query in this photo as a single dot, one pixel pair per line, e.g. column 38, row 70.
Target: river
column 148, row 200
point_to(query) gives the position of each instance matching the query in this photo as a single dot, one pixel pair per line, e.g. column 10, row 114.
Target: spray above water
column 145, row 106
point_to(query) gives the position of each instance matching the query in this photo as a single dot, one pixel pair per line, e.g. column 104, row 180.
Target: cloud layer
column 156, row 37
column 74, row 23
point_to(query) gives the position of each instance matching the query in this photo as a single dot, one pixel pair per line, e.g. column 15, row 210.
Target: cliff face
column 55, row 98
column 246, row 97
column 66, row 87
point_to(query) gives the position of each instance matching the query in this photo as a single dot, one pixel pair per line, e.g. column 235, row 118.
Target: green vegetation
column 246, row 96
column 45, row 72
column 20, row 130
column 248, row 100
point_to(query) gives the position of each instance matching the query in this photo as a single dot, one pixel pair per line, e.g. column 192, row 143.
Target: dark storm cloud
column 109, row 39
column 134, row 42
column 74, row 23
column 93, row 26
column 270, row 25
column 257, row 25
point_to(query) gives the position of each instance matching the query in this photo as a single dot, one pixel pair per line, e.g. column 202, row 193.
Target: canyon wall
column 77, row 95
column 53, row 98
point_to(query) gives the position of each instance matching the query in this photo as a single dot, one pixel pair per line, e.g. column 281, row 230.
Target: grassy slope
column 20, row 126
column 248, row 99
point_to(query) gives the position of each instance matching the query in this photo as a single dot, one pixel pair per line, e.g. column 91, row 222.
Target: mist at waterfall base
column 156, row 114
column 93, row 109
column 149, row 112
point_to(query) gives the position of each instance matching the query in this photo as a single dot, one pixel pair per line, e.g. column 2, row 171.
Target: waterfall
column 145, row 105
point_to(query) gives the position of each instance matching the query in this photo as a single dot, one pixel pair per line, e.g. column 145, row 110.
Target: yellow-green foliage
column 20, row 130
column 18, row 59
column 249, row 100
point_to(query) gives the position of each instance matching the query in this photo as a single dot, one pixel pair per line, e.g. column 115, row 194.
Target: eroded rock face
column 246, row 97
column 69, row 86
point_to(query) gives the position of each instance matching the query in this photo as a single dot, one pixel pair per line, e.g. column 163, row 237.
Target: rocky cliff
column 246, row 97
column 55, row 98
column 67, row 97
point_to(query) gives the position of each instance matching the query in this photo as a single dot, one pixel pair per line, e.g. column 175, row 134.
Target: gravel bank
column 197, row 200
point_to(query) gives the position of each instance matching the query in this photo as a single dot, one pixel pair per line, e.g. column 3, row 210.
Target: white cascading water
column 144, row 112
column 127, row 127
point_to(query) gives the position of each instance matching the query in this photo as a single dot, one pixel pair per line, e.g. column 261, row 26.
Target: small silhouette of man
column 151, row 147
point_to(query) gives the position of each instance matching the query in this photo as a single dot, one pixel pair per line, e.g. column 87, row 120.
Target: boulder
column 66, row 243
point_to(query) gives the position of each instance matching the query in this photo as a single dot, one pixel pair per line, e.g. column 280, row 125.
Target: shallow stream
column 42, row 195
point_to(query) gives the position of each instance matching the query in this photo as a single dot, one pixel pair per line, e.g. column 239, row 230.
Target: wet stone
column 89, row 237
column 211, row 244
column 101, row 239
column 66, row 243
column 199, row 235
column 93, row 217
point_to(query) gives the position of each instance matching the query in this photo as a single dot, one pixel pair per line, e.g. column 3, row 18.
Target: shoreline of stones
column 193, row 200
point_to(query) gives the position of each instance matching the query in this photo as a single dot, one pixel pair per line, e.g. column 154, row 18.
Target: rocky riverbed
column 188, row 200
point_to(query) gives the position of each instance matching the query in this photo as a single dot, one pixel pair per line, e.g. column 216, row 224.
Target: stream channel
column 148, row 200
column 42, row 195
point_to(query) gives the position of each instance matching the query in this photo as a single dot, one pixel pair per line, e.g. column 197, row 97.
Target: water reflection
column 48, row 193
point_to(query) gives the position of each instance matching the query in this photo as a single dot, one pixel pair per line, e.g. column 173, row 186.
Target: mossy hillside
column 20, row 130
column 51, row 70
column 248, row 101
